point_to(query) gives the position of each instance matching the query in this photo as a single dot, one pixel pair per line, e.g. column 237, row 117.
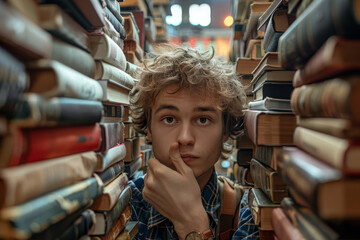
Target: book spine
column 283, row 228
column 92, row 11
column 114, row 7
column 73, row 57
column 112, row 172
column 107, row 200
column 106, row 219
column 107, row 71
column 42, row 177
column 48, row 209
column 13, row 79
column 104, row 48
column 80, row 227
column 250, row 122
column 269, row 181
column 111, row 156
column 46, row 143
column 115, row 22
column 314, row 26
column 110, row 135
column 130, row 28
column 33, row 111
column 17, row 42
column 56, row 21
column 331, row 98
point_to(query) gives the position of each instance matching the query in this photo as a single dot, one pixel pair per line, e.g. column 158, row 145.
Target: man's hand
column 176, row 194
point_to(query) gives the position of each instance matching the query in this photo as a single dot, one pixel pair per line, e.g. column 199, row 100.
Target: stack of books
column 64, row 108
column 322, row 171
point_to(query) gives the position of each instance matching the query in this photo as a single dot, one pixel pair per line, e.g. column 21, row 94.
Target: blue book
column 24, row 220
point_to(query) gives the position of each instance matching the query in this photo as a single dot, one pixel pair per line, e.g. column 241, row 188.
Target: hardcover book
column 336, row 56
column 317, row 185
column 261, row 208
column 107, row 200
column 314, row 26
column 111, row 172
column 278, row 76
column 267, row 155
column 110, row 157
column 17, row 221
column 106, row 219
column 34, row 111
column 270, row 128
column 271, row 104
column 130, row 231
column 336, row 98
column 24, row 182
column 245, row 66
column 273, row 90
column 284, row 229
column 268, row 180
column 341, row 153
column 50, row 78
column 114, row 92
column 269, row 62
column 15, row 31
column 112, row 134
column 108, row 71
column 56, row 21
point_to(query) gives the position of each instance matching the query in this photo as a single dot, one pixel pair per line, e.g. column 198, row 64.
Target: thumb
column 175, row 157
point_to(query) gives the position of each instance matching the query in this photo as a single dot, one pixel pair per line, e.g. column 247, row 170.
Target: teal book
column 321, row 20
column 24, row 220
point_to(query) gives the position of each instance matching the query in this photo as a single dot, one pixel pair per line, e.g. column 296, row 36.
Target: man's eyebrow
column 166, row 106
column 205, row 109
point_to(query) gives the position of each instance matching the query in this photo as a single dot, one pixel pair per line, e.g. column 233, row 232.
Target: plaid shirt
column 152, row 225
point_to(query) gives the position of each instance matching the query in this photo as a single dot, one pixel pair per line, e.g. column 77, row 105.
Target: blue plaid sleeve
column 247, row 230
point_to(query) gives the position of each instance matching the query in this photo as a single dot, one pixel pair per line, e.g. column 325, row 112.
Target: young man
column 188, row 104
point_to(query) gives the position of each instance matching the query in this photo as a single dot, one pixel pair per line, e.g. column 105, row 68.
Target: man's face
column 194, row 122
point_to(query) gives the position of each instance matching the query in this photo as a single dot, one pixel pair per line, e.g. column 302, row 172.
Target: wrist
column 195, row 223
column 206, row 235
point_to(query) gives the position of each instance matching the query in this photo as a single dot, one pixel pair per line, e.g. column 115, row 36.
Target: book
column 115, row 23
column 104, row 48
column 111, row 172
column 131, row 28
column 314, row 26
column 336, row 56
column 271, row 104
column 278, row 23
column 26, row 9
column 13, row 79
column 17, row 221
column 283, row 227
column 267, row 155
column 254, row 49
column 114, row 7
column 243, row 156
column 245, row 66
column 273, row 90
column 118, row 226
column 50, row 142
column 113, row 113
column 50, row 78
column 149, row 29
column 269, row 128
column 139, row 17
column 316, row 185
column 134, row 166
column 107, row 71
column 107, row 200
column 256, row 10
column 24, row 182
column 336, row 97
column 268, row 180
column 338, row 127
column 307, row 223
column 268, row 62
column 74, row 226
column 130, row 231
column 34, row 111
column 56, row 21
column 264, row 19
column 261, row 208
column 73, row 57
column 133, row 46
column 114, row 92
column 106, row 219
column 132, row 148
column 110, row 157
column 15, row 31
column 273, row 76
column 341, row 153
column 111, row 135
column 88, row 14
column 134, row 5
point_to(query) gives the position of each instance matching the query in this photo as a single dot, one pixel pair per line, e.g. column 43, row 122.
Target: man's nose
column 186, row 134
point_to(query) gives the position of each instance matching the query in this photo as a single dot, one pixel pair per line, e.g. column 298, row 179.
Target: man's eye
column 203, row 121
column 168, row 120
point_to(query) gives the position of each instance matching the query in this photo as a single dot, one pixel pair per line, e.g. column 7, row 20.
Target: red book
column 140, row 22
column 283, row 228
column 45, row 143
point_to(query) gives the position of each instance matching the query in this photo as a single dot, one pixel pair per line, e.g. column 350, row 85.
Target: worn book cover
column 283, row 227
column 105, row 71
column 112, row 134
column 268, row 180
column 270, row 128
column 111, row 172
column 317, row 185
column 110, row 157
column 271, row 104
column 245, row 66
column 24, row 182
column 114, row 92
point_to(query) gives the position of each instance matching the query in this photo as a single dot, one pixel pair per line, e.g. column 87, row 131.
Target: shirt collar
column 210, row 199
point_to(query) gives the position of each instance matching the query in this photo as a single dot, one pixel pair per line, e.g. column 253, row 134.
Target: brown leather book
column 283, row 227
column 270, row 128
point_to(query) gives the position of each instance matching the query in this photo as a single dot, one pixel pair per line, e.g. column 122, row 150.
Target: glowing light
column 176, row 15
column 228, row 21
column 200, row 14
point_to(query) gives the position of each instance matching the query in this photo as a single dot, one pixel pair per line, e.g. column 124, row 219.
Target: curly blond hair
column 188, row 68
